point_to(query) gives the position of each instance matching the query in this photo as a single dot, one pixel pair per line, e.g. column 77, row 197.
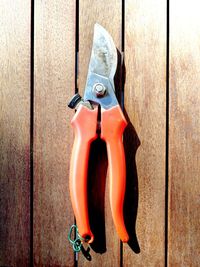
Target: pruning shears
column 98, row 113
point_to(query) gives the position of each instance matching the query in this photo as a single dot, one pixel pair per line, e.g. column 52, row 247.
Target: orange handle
column 113, row 124
column 84, row 123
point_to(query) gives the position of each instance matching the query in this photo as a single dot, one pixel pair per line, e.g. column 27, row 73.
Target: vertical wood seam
column 76, row 45
column 31, row 127
column 76, row 89
column 122, row 85
column 167, row 136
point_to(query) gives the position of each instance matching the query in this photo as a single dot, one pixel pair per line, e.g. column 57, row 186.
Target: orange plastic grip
column 113, row 124
column 84, row 123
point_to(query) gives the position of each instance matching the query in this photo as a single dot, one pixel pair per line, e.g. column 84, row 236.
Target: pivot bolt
column 99, row 89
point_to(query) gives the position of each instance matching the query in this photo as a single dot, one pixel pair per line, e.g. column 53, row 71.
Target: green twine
column 77, row 242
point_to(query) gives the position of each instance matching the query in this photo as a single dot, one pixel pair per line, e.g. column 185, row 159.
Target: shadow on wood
column 131, row 144
column 97, row 172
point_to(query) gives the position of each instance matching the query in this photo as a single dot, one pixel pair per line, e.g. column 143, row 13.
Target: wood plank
column 106, row 248
column 184, row 135
column 145, row 104
column 54, row 85
column 14, row 133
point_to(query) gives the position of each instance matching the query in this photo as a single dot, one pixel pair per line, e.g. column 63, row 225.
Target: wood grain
column 184, row 135
column 14, row 133
column 54, row 85
column 106, row 248
column 145, row 104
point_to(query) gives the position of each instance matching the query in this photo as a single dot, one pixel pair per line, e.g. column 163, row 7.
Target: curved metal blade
column 103, row 59
column 102, row 68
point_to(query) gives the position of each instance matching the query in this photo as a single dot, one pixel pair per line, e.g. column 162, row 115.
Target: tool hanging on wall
column 98, row 114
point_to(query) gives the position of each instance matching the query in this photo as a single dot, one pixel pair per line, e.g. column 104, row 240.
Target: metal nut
column 99, row 89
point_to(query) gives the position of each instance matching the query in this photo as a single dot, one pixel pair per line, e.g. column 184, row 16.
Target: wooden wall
column 44, row 53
